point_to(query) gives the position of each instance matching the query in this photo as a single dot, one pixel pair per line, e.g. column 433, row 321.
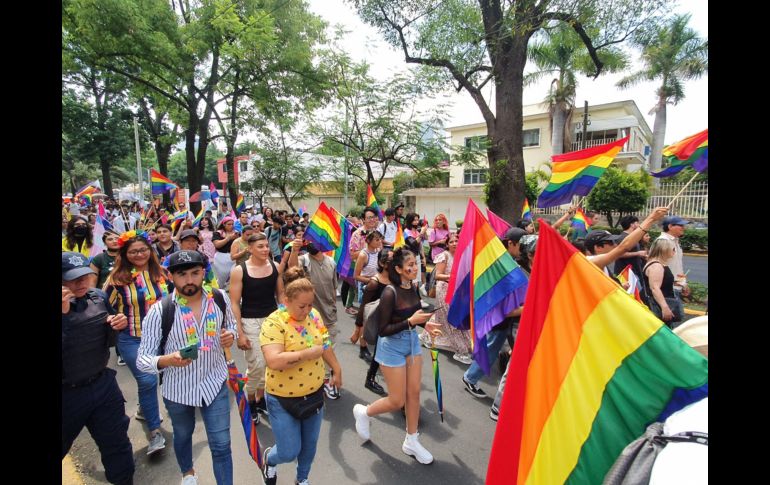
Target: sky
column 690, row 116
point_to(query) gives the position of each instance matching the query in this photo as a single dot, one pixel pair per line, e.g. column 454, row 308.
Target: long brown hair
column 121, row 273
column 71, row 241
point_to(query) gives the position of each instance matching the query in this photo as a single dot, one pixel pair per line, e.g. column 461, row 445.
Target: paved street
column 699, row 268
column 460, row 445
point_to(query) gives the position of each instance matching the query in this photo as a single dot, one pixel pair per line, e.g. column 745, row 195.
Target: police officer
column 90, row 394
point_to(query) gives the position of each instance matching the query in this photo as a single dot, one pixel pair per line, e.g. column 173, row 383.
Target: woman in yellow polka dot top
column 295, row 344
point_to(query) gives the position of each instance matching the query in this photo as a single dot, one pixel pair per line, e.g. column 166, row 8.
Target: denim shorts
column 393, row 351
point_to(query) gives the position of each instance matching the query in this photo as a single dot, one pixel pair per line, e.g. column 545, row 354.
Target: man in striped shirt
column 197, row 379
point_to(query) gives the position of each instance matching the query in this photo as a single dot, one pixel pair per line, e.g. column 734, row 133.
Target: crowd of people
column 171, row 298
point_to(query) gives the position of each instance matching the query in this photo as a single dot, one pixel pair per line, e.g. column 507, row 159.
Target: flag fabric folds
column 576, row 173
column 371, row 201
column 196, row 222
column 89, row 188
column 160, row 183
column 591, row 368
column 580, row 221
column 213, row 192
column 628, row 276
column 99, row 228
column 399, row 241
column 437, row 383
column 485, row 284
column 526, row 213
column 240, row 204
column 341, row 255
column 692, row 152
column 324, row 229
column 499, row 224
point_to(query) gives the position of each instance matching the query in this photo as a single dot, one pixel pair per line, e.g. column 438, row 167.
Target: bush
column 694, row 237
column 459, row 223
column 612, row 230
column 699, row 293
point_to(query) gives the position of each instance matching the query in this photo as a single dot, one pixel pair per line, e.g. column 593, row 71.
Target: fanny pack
column 305, row 406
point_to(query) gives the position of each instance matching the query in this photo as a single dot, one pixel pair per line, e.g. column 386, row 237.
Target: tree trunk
column 557, row 128
column 163, row 153
column 189, row 148
column 658, row 135
column 231, row 138
column 104, row 164
column 506, row 184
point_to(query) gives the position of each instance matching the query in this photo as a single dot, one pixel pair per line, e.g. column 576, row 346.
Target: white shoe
column 464, row 358
column 412, row 447
column 362, row 421
column 190, row 480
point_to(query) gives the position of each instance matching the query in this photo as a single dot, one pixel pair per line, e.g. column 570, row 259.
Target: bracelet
column 643, row 229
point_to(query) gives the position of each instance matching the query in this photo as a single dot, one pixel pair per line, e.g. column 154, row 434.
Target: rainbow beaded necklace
column 141, row 288
column 302, row 331
column 190, row 327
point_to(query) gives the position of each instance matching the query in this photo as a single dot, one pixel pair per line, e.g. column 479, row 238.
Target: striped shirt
column 126, row 299
column 200, row 382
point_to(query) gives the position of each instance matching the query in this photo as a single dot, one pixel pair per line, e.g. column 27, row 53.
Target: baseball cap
column 185, row 259
column 189, row 233
column 514, row 234
column 675, row 221
column 597, row 237
column 74, row 265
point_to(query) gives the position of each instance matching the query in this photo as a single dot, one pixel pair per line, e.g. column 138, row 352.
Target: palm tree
column 672, row 54
column 561, row 53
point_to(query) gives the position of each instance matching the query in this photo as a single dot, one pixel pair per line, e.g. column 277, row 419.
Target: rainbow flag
column 89, row 188
column 692, row 152
column 525, row 212
column 591, row 368
column 499, row 224
column 628, row 276
column 87, row 200
column 485, row 284
column 240, row 205
column 399, row 241
column 371, row 201
column 576, row 173
column 579, row 220
column 159, row 183
column 199, row 217
column 177, row 217
column 341, row 255
column 324, row 229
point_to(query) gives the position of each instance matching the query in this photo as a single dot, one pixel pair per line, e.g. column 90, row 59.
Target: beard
column 190, row 290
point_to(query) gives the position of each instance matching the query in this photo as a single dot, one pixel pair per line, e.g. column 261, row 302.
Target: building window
column 244, row 167
column 476, row 142
column 531, row 138
column 475, row 176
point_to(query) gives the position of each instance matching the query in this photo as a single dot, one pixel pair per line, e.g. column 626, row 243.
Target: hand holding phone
column 428, row 308
column 189, row 352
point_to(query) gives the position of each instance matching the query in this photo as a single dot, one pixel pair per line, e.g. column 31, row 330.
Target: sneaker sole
column 156, row 450
column 414, row 455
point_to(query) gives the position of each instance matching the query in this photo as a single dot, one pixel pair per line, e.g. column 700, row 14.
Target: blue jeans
column 495, row 340
column 293, row 438
column 147, row 383
column 216, row 419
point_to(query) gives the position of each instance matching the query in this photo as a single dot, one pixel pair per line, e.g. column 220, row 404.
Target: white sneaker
column 190, row 480
column 157, row 443
column 464, row 358
column 362, row 421
column 412, row 447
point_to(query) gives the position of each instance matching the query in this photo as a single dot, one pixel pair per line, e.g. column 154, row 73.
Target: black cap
column 514, row 234
column 74, row 265
column 189, row 233
column 596, row 237
column 185, row 259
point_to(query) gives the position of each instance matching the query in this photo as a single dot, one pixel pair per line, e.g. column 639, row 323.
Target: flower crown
column 126, row 236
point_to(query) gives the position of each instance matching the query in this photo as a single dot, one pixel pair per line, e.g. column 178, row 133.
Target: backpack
column 167, row 316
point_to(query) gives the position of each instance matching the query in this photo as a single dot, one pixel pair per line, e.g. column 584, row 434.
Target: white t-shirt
column 684, row 463
column 388, row 230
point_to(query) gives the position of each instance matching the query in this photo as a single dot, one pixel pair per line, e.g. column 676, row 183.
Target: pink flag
column 498, row 224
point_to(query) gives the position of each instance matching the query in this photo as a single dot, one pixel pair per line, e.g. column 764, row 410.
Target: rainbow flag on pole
column 485, row 284
column 525, row 212
column 159, row 183
column 341, row 255
column 692, row 152
column 628, row 276
column 579, row 220
column 499, row 224
column 240, row 204
column 324, row 229
column 371, row 201
column 576, row 173
column 591, row 368
column 199, row 217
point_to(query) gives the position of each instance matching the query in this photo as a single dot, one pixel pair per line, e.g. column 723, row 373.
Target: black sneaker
column 331, row 391
column 262, row 406
column 364, row 354
column 253, row 409
column 493, row 413
column 475, row 391
column 372, row 385
column 269, row 473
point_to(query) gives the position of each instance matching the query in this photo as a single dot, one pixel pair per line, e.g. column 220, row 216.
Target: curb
column 698, row 255
column 70, row 474
column 698, row 313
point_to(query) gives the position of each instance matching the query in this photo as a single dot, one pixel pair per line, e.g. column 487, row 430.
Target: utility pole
column 585, row 123
column 138, row 162
column 345, row 201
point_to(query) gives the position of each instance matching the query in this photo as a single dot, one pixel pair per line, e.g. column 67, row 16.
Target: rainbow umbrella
column 236, row 382
column 437, row 381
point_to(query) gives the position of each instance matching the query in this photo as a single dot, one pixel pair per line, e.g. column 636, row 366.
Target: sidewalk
column 70, row 474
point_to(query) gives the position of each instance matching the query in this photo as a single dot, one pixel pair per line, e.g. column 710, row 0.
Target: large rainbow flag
column 576, row 173
column 485, row 284
column 159, row 183
column 692, row 152
column 591, row 368
column 371, row 201
column 499, row 224
column 324, row 229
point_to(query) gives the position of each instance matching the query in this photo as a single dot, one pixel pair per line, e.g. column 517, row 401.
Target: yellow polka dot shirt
column 301, row 379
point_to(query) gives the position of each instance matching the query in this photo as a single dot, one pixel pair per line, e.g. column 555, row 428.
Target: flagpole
column 683, row 189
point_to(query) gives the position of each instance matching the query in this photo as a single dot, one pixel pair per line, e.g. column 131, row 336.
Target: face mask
column 81, row 231
column 312, row 249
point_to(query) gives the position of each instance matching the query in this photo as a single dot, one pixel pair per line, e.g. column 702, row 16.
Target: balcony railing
column 578, row 145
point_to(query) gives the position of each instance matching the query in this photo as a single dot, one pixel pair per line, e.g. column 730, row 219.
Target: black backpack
column 167, row 315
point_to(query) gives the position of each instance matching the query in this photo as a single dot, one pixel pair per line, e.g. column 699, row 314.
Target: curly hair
column 121, row 272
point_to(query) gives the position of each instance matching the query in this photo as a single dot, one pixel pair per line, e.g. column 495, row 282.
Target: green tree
column 560, row 52
column 672, row 54
column 471, row 43
column 619, row 191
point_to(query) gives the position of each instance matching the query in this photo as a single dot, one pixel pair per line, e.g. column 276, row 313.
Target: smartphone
column 189, row 352
column 428, row 308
